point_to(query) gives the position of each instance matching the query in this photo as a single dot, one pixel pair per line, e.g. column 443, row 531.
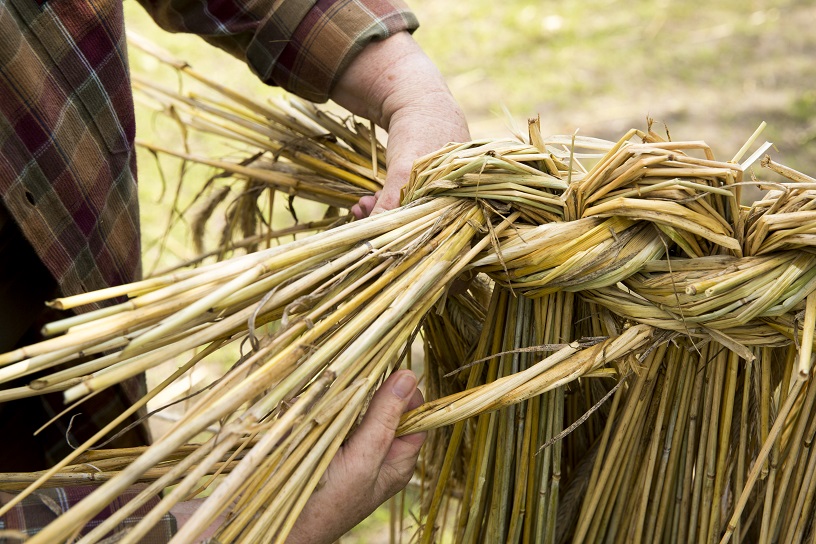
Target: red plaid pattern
column 41, row 508
column 67, row 166
column 301, row 45
column 67, row 161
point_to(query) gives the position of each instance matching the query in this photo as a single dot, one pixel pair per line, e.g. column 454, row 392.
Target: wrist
column 387, row 77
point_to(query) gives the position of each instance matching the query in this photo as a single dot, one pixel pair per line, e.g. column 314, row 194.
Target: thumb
column 368, row 469
column 372, row 440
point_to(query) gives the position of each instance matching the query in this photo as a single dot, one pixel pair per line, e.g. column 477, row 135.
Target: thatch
column 629, row 293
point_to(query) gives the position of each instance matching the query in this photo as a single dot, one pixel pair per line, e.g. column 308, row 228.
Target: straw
column 676, row 329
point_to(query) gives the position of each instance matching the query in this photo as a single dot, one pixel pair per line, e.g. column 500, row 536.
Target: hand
column 183, row 511
column 369, row 469
column 394, row 83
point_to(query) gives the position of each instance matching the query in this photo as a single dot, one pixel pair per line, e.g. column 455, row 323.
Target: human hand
column 183, row 511
column 370, row 468
column 393, row 83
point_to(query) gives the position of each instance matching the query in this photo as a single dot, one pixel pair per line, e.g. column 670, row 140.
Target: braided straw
column 641, row 268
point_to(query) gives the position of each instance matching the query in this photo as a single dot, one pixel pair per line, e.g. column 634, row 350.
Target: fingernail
column 405, row 386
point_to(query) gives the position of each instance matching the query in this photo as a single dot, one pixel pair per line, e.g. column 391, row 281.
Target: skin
column 393, row 83
column 371, row 467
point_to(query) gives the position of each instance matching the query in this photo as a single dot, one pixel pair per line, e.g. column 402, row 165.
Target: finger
column 364, row 206
column 408, row 446
column 401, row 460
column 389, row 197
column 355, row 476
column 416, row 400
column 371, row 442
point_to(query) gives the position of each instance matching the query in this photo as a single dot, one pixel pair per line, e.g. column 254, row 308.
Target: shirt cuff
column 329, row 36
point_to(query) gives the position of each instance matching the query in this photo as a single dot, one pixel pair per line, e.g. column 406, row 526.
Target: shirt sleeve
column 300, row 45
column 42, row 507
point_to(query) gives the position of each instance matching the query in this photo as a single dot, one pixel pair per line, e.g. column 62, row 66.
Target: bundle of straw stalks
column 632, row 361
column 283, row 149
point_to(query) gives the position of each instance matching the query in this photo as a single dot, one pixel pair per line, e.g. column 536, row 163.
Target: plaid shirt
column 41, row 508
column 67, row 160
column 67, row 163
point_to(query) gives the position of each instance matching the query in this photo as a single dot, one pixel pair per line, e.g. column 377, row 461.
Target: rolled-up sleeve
column 301, row 45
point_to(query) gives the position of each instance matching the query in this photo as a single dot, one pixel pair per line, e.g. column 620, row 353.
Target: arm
column 301, row 45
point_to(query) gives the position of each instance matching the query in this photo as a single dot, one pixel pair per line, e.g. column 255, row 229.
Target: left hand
column 394, row 83
column 369, row 469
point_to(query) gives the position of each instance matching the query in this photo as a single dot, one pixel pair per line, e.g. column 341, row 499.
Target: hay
column 628, row 292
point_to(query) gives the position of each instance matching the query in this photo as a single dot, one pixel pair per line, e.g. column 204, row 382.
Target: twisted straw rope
column 652, row 233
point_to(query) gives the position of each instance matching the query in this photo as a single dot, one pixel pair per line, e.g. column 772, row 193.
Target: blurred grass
column 712, row 72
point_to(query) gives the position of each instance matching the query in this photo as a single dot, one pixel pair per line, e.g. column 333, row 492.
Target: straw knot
column 653, row 232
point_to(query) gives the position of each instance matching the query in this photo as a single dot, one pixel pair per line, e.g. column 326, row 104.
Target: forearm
column 392, row 76
column 302, row 46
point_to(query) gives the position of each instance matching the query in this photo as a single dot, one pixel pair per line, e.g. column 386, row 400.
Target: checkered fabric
column 67, row 160
column 41, row 508
column 67, row 163
column 301, row 45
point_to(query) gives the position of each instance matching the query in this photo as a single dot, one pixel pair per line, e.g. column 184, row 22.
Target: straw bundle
column 676, row 329
column 282, row 149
